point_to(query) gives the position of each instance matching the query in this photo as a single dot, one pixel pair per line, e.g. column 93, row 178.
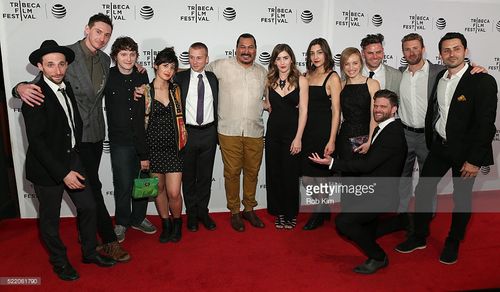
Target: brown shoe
column 254, row 220
column 237, row 223
column 114, row 251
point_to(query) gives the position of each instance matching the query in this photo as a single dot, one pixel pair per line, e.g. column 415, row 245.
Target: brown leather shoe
column 253, row 219
column 115, row 251
column 237, row 223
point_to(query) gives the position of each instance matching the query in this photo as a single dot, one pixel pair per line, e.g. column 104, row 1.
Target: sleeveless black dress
column 282, row 168
column 355, row 102
column 317, row 130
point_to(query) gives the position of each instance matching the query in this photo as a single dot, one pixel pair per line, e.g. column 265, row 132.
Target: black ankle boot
column 176, row 235
column 167, row 230
column 315, row 221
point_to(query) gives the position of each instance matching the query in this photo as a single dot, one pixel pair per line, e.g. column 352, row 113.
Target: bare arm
column 373, row 86
column 296, row 146
column 334, row 87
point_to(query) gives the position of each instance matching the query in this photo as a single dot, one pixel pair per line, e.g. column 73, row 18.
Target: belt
column 441, row 140
column 416, row 130
column 201, row 127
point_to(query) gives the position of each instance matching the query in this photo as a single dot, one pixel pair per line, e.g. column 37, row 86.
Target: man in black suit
column 459, row 129
column 380, row 169
column 54, row 131
column 199, row 91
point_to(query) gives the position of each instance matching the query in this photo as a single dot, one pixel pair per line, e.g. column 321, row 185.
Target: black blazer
column 49, row 136
column 470, row 127
column 383, row 164
column 183, row 78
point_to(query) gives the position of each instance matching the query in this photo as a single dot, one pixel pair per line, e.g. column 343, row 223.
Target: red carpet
column 258, row 260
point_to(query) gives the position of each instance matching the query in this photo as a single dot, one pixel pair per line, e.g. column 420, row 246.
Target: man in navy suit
column 53, row 164
column 459, row 129
column 380, row 169
column 199, row 95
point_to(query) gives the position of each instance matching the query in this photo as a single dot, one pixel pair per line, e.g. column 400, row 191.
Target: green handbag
column 145, row 187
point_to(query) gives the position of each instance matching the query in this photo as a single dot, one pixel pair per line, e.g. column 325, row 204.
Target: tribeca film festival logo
column 22, row 10
column 350, row 18
column 277, row 15
column 495, row 67
column 147, row 57
column 116, row 11
column 417, row 22
column 326, row 191
column 477, row 25
column 198, row 13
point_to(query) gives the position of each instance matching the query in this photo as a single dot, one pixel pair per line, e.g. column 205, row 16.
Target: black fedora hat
column 50, row 46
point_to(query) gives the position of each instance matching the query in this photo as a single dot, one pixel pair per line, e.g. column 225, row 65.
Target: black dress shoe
column 449, row 255
column 253, row 219
column 100, row 260
column 66, row 272
column 208, row 222
column 370, row 266
column 237, row 222
column 315, row 221
column 192, row 223
column 411, row 244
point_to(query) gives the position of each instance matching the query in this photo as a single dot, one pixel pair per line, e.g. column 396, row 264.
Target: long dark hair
column 273, row 72
column 328, row 55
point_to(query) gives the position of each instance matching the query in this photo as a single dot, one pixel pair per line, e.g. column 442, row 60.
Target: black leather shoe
column 371, row 266
column 315, row 221
column 208, row 222
column 66, row 272
column 449, row 255
column 237, row 222
column 253, row 219
column 192, row 223
column 100, row 260
column 411, row 244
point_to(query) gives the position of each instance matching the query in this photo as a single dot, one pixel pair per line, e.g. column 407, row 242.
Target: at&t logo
column 441, row 23
column 264, row 58
column 184, row 58
column 377, row 20
column 306, row 16
column 229, row 13
column 147, row 12
column 58, row 10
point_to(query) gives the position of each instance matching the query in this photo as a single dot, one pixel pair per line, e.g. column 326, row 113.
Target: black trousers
column 199, row 159
column 282, row 177
column 362, row 228
column 90, row 154
column 437, row 164
column 50, row 198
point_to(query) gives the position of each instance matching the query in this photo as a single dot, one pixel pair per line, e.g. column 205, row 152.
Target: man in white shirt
column 240, row 127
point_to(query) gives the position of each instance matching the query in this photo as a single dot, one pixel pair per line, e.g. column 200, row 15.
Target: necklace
column 282, row 84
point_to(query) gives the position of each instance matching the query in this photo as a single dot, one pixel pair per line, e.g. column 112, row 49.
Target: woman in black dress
column 322, row 122
column 287, row 105
column 165, row 138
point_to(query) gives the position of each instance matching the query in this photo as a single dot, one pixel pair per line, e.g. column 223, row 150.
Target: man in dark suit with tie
column 54, row 131
column 379, row 169
column 459, row 129
column 199, row 92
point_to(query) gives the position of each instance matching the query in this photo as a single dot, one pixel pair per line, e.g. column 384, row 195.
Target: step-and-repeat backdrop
column 155, row 24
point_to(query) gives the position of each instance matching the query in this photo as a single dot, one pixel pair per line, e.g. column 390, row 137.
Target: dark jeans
column 437, row 164
column 90, row 154
column 126, row 165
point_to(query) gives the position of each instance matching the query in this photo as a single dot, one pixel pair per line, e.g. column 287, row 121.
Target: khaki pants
column 241, row 153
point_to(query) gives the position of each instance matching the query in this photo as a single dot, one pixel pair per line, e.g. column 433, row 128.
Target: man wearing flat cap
column 54, row 131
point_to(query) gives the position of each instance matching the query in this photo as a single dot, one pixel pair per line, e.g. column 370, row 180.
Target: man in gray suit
column 373, row 55
column 88, row 75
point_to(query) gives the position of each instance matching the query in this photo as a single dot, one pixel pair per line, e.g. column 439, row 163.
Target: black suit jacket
column 382, row 164
column 183, row 78
column 49, row 136
column 470, row 127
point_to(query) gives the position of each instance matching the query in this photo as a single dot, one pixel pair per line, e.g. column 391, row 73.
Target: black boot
column 176, row 235
column 167, row 230
column 315, row 221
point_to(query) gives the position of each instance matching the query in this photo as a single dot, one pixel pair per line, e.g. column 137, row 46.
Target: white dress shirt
column 379, row 74
column 62, row 102
column 413, row 97
column 446, row 89
column 192, row 100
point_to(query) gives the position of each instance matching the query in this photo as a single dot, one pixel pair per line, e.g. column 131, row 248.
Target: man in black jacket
column 380, row 170
column 54, row 131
